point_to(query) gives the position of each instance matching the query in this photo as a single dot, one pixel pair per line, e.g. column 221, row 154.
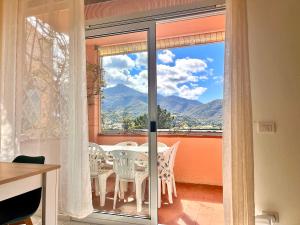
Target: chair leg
column 123, row 188
column 102, row 189
column 163, row 187
column 116, row 191
column 159, row 193
column 138, row 194
column 144, row 189
column 169, row 186
column 174, row 185
column 133, row 186
column 96, row 186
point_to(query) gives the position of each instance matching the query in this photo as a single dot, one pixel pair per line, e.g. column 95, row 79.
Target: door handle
column 153, row 126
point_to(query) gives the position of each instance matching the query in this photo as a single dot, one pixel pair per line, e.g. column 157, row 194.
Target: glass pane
column 190, row 68
column 117, row 75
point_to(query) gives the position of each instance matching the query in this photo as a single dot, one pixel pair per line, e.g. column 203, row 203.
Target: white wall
column 274, row 38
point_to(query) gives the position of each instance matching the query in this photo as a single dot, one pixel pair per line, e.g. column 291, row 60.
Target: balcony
column 198, row 175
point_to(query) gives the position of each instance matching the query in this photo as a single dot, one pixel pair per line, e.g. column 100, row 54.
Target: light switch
column 266, row 127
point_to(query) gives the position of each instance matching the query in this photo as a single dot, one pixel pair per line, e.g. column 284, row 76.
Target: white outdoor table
column 145, row 149
column 19, row 178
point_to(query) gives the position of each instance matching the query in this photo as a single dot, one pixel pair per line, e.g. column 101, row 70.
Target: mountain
column 177, row 104
column 123, row 98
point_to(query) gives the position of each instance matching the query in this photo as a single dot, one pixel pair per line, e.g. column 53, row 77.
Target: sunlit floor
column 195, row 205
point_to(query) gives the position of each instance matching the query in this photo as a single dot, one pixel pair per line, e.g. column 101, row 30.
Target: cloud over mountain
column 175, row 76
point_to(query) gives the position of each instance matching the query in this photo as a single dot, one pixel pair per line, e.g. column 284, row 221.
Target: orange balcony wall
column 198, row 160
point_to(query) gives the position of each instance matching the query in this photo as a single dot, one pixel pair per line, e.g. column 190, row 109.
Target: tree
column 165, row 119
column 128, row 122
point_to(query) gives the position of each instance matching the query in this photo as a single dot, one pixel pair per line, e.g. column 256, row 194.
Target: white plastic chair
column 124, row 185
column 159, row 144
column 166, row 176
column 100, row 170
column 127, row 143
column 126, row 171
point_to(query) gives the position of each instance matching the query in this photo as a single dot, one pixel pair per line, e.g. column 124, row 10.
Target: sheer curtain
column 238, row 141
column 43, row 87
column 8, row 140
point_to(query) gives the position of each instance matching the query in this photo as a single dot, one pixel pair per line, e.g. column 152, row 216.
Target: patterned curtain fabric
column 8, row 140
column 44, row 108
column 238, row 141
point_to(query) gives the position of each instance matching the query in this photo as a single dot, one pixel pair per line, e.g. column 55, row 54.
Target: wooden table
column 19, row 178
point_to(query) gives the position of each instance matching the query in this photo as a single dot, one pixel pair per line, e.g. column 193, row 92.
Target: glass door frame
column 150, row 28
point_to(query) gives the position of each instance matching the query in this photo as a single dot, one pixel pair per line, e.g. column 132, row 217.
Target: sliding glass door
column 121, row 71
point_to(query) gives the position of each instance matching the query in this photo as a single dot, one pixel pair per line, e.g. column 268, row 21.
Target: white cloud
column 139, row 82
column 117, row 69
column 191, row 65
column 118, row 62
column 203, row 77
column 180, row 80
column 209, row 59
column 218, row 79
column 166, row 56
column 211, row 72
column 141, row 60
column 191, row 93
column 172, row 80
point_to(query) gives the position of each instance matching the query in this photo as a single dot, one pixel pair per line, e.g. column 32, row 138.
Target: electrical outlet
column 266, row 127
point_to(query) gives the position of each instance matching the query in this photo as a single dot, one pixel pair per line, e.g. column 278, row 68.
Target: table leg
column 49, row 200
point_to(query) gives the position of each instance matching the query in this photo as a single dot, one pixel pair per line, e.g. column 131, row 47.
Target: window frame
column 164, row 132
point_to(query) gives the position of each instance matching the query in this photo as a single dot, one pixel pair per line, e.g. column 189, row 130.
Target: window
column 190, row 90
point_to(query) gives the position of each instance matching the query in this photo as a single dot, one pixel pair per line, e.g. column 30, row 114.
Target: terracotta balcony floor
column 196, row 204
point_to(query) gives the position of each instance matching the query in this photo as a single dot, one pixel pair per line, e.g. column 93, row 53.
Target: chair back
column 125, row 163
column 29, row 202
column 29, row 159
column 127, row 143
column 166, row 162
column 97, row 157
column 159, row 144
column 174, row 149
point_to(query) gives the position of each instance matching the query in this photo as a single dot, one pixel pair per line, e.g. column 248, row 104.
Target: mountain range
column 123, row 98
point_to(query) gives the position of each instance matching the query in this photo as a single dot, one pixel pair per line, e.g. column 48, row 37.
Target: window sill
column 167, row 134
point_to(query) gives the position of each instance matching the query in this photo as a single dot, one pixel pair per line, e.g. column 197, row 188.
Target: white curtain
column 238, row 141
column 43, row 93
column 8, row 140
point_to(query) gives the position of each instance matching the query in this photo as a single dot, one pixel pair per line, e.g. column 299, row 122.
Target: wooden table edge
column 47, row 168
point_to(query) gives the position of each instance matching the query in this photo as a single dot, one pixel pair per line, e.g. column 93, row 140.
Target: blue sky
column 193, row 72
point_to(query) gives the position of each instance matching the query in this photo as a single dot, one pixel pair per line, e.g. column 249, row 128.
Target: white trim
column 50, row 198
column 107, row 219
column 11, row 189
column 149, row 27
column 152, row 111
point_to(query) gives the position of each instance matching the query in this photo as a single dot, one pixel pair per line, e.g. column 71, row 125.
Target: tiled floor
column 126, row 206
column 195, row 205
